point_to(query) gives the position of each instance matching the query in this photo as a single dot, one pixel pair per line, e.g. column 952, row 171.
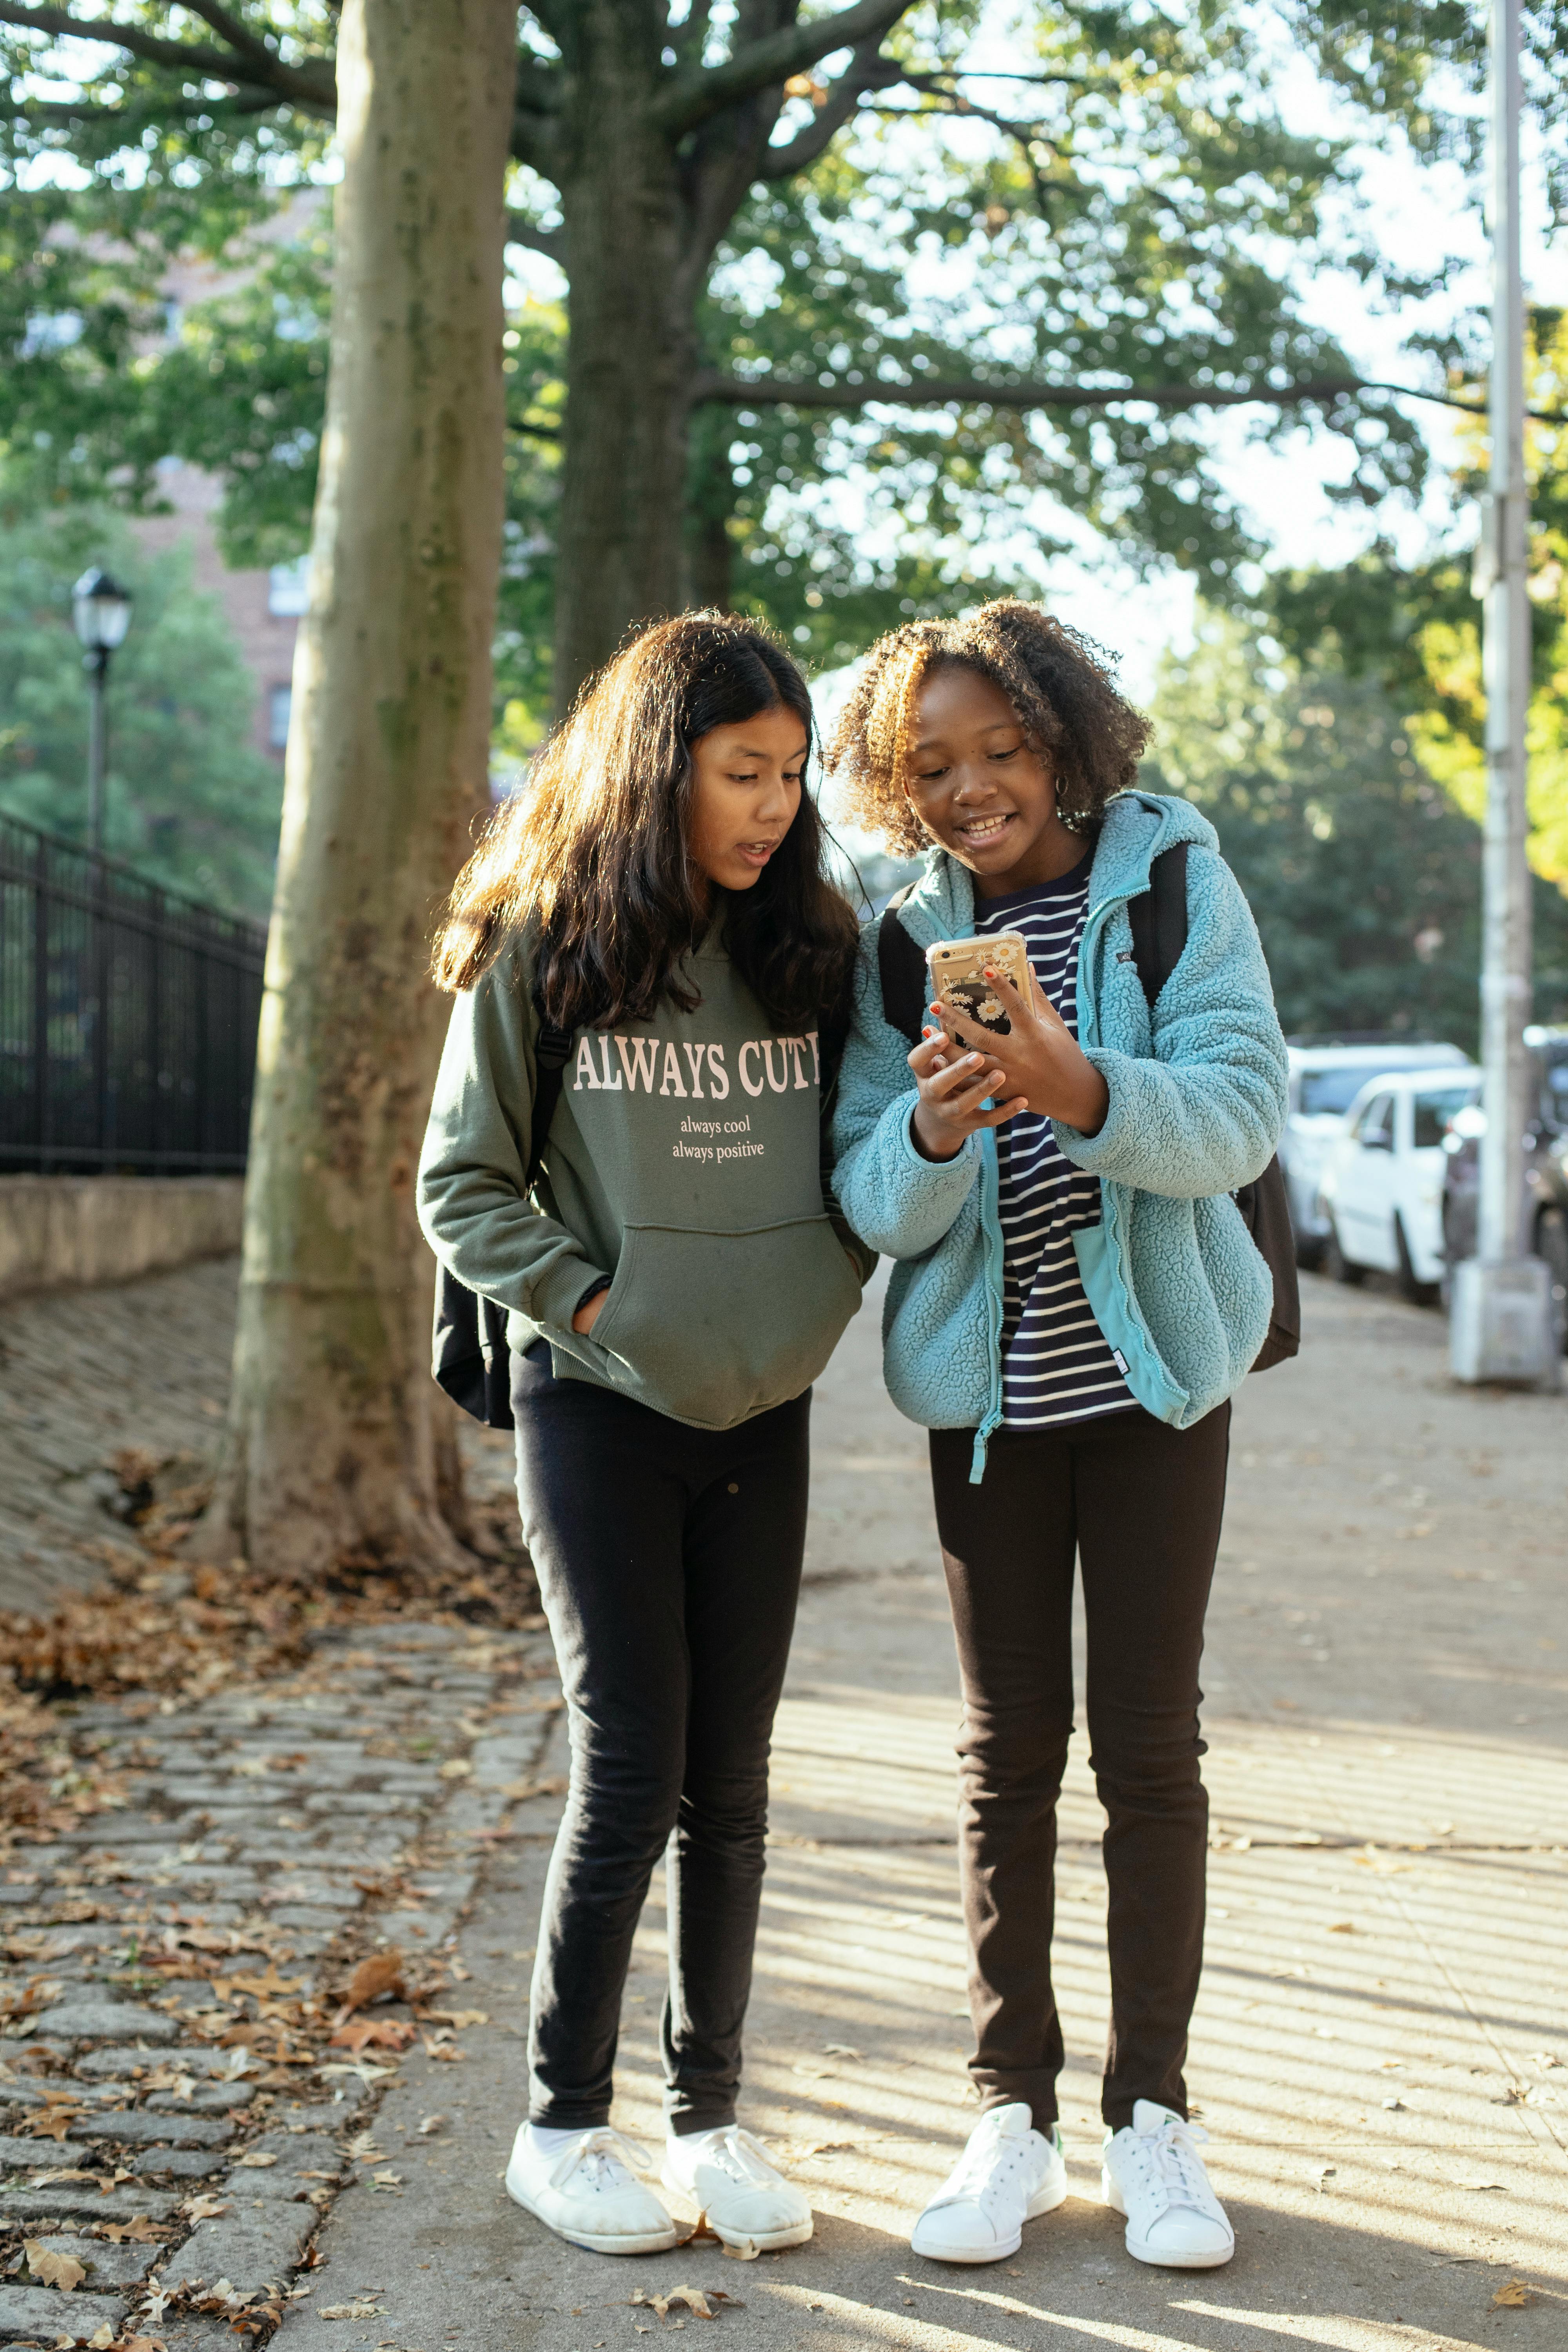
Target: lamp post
column 101, row 613
column 1502, row 1319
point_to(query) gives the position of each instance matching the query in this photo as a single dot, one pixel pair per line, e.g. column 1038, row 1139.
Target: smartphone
column 957, row 969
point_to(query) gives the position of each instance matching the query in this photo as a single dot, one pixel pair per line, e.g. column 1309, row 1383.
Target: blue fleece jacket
column 1197, row 1103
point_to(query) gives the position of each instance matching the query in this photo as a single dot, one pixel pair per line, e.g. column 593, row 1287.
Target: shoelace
column 744, row 2159
column 984, row 2164
column 599, row 2152
column 1171, row 2155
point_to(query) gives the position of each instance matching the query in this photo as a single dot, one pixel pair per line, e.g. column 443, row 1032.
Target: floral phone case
column 957, row 968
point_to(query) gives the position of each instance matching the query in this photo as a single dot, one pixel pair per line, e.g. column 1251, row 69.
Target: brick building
column 263, row 607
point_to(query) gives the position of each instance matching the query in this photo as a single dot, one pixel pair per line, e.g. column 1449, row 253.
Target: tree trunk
column 339, row 1445
column 631, row 357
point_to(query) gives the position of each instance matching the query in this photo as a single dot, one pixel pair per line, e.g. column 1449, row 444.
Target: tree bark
column 339, row 1445
column 632, row 353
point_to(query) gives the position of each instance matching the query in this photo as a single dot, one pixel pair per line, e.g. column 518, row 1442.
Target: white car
column 1381, row 1192
column 1325, row 1082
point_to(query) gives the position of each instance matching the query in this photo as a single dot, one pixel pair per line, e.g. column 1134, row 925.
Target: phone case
column 957, row 968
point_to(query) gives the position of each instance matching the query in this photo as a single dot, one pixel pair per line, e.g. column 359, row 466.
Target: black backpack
column 467, row 1345
column 1159, row 920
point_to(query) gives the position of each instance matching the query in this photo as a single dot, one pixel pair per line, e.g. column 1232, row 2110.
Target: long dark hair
column 594, row 851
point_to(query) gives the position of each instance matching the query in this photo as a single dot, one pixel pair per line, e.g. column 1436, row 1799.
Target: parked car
column 1545, row 1224
column 1381, row 1192
column 1325, row 1079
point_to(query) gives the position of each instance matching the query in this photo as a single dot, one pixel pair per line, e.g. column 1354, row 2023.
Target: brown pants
column 1140, row 1504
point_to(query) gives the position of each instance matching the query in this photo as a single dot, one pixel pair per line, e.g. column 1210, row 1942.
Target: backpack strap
column 551, row 1054
column 901, row 970
column 1159, row 920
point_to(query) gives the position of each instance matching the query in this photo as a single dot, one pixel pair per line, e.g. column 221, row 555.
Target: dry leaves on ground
column 161, row 1626
column 375, row 2033
column 1512, row 2295
column 63, row 2271
column 373, row 1979
column 702, row 2301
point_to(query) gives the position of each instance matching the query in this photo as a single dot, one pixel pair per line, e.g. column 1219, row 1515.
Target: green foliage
column 1363, row 875
column 190, row 801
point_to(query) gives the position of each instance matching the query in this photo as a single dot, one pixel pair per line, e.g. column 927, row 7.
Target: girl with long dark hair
column 673, row 1286
column 1074, row 1300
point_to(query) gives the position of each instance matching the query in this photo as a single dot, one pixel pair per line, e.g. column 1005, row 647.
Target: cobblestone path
column 174, row 2119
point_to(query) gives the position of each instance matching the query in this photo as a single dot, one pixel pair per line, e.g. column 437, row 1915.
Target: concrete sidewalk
column 1380, row 2052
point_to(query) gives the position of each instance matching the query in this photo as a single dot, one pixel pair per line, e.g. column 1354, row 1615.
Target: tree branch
column 867, row 71
column 938, row 392
column 691, row 96
column 235, row 66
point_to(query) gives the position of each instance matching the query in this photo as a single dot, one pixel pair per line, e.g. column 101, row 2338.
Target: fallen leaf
column 457, row 1768
column 167, row 2078
column 698, row 2302
column 380, row 2033
column 52, row 2124
column 379, row 1974
column 258, row 2159
column 747, row 2250
column 518, row 1792
column 1482, row 2185
column 386, row 2180
column 102, row 2337
column 63, row 2271
column 429, row 2123
column 1512, row 2295
column 459, row 2018
column 349, row 2311
column 1344, row 1927
column 140, row 2231
column 842, row 2050
column 205, row 2207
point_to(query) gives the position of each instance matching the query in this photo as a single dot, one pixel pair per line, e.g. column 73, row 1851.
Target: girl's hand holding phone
column 953, row 1086
column 1039, row 1062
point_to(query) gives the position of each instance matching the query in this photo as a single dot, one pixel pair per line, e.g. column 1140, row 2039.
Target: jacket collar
column 1137, row 826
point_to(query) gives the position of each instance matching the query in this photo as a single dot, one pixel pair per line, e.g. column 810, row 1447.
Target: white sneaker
column 745, row 2200
column 1151, row 2171
column 585, row 2193
column 1007, row 2175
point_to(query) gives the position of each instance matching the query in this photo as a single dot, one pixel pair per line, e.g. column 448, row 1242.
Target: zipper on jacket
column 991, row 1228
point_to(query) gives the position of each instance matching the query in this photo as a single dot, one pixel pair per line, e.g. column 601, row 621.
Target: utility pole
column 1502, row 1321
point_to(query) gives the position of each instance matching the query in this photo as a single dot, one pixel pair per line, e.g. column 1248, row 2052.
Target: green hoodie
column 683, row 1160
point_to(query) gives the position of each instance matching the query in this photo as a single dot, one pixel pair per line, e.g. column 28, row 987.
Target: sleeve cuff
column 557, row 1296
column 968, row 1151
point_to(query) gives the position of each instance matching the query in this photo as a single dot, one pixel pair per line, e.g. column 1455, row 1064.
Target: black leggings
column 1140, row 1505
column 669, row 1559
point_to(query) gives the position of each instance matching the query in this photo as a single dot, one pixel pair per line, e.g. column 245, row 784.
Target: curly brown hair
column 1060, row 683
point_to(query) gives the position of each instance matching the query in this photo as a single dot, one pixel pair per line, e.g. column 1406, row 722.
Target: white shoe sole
column 1044, row 2200
column 765, row 2242
column 1141, row 2252
column 636, row 2242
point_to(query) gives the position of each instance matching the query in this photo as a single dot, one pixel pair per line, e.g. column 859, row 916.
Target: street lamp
column 1502, row 1326
column 101, row 613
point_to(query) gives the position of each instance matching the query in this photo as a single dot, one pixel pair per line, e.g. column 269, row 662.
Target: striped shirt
column 1056, row 1365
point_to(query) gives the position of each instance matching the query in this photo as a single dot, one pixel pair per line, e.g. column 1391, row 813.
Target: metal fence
column 128, row 1018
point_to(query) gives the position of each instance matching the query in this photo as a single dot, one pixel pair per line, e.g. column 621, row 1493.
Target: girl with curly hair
column 652, row 917
column 1074, row 1296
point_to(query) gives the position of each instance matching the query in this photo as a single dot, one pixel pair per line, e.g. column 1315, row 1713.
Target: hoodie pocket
column 712, row 1328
